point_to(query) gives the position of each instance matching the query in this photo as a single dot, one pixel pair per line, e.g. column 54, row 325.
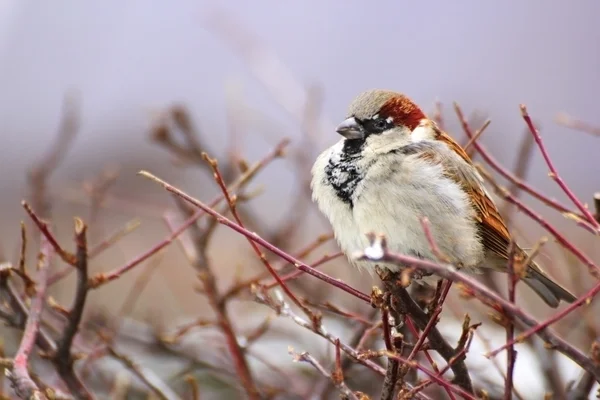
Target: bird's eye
column 377, row 125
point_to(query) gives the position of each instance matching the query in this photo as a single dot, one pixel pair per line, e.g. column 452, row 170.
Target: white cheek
column 422, row 133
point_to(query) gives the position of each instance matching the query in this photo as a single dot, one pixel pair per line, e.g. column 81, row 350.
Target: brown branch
column 97, row 249
column 24, row 386
column 63, row 358
column 391, row 374
column 377, row 252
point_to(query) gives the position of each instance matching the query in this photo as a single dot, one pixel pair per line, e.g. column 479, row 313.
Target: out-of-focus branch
column 199, row 260
column 243, row 180
column 158, row 387
column 570, row 122
column 39, row 173
column 345, row 392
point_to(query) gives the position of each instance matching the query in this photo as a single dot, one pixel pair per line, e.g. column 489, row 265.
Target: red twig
column 593, row 267
column 553, row 172
column 43, row 227
column 540, row 327
column 297, row 273
column 24, row 386
column 492, row 162
column 432, row 321
column 222, row 220
column 259, row 253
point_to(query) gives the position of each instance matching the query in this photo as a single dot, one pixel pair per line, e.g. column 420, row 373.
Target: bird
column 392, row 167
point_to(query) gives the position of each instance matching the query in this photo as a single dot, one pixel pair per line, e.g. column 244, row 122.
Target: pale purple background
column 128, row 59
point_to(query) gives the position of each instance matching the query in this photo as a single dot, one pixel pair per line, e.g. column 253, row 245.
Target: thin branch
column 283, row 309
column 24, row 386
column 45, row 230
column 201, row 264
column 345, row 392
column 553, row 172
column 158, row 387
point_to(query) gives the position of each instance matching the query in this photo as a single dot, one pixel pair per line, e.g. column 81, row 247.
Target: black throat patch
column 342, row 171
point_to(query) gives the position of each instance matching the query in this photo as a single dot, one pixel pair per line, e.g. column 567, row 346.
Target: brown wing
column 494, row 233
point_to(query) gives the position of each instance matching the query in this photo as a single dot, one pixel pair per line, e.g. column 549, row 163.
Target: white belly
column 392, row 201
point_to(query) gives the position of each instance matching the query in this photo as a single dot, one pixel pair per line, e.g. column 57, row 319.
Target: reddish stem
column 297, row 263
column 553, row 172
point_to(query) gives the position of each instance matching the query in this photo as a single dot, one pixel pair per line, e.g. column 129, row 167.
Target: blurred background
column 252, row 73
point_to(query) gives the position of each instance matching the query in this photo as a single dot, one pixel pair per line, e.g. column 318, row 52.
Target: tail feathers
column 551, row 292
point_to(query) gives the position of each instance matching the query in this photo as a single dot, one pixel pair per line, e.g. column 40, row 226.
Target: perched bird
column 394, row 166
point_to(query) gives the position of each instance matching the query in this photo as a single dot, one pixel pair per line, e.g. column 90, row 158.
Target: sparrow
column 392, row 167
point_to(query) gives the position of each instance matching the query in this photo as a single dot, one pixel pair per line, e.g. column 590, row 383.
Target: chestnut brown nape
column 403, row 111
column 386, row 103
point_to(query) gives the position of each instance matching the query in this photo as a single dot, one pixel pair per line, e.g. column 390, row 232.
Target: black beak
column 351, row 129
